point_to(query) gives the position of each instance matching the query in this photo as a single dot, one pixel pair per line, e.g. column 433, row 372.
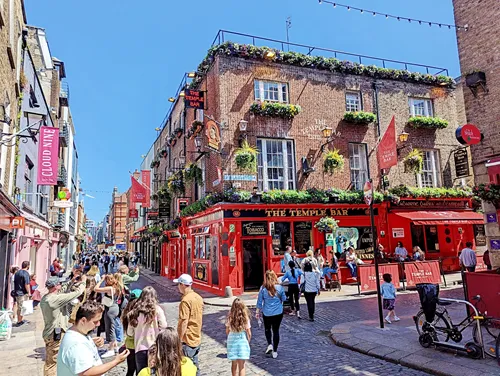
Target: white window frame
column 289, row 172
column 358, row 165
column 431, row 172
column 350, row 103
column 283, row 95
column 428, row 110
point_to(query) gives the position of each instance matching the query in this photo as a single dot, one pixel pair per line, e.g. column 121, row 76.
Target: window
column 429, row 178
column 421, row 107
column 29, row 172
column 353, row 101
column 357, row 163
column 276, row 164
column 271, row 91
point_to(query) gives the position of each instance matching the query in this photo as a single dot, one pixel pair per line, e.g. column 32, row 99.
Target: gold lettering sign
column 337, row 212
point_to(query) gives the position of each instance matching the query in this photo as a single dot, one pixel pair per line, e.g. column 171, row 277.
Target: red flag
column 146, row 182
column 138, row 192
column 387, row 153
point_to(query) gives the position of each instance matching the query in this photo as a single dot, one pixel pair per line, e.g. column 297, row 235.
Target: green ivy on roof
column 331, row 64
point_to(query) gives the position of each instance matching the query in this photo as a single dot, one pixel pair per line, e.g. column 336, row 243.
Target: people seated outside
column 401, row 254
column 352, row 263
column 418, row 254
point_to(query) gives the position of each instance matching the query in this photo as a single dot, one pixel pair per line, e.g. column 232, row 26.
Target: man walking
column 22, row 289
column 56, row 323
column 468, row 258
column 190, row 318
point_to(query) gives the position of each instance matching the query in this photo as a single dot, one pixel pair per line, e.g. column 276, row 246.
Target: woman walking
column 311, row 288
column 146, row 319
column 111, row 293
column 239, row 334
column 292, row 276
column 270, row 302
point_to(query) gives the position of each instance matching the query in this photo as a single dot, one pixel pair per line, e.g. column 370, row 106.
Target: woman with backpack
column 311, row 288
column 293, row 276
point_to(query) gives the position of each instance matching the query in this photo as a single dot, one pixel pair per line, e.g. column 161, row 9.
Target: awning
column 141, row 229
column 443, row 217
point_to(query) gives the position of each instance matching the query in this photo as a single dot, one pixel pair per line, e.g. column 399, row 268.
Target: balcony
column 62, row 177
column 64, row 94
column 59, row 221
column 63, row 133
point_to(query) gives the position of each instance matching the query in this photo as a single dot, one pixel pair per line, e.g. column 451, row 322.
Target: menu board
column 302, row 233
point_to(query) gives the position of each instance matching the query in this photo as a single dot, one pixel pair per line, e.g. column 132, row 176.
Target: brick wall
column 479, row 49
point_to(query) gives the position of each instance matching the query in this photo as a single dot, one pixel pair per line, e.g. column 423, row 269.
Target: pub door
column 254, row 263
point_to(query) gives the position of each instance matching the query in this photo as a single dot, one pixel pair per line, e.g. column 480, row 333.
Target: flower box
column 427, row 122
column 360, row 117
column 272, row 109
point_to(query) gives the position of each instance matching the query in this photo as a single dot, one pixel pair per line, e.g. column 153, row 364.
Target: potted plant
column 193, row 174
column 414, row 161
column 333, row 161
column 172, row 141
column 360, row 117
column 326, row 224
column 475, row 78
column 175, row 184
column 246, row 157
column 179, row 131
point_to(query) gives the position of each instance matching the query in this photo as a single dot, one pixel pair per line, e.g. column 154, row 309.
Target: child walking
column 388, row 292
column 238, row 337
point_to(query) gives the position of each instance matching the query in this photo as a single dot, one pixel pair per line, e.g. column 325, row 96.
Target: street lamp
column 328, row 133
column 171, row 99
column 197, row 143
column 181, row 94
column 403, row 137
column 191, row 74
column 243, row 125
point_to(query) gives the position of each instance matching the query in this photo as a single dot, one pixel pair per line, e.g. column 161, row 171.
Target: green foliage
column 333, row 161
column 360, row 117
column 273, row 109
column 193, row 174
column 179, row 131
column 327, row 224
column 427, row 122
column 408, row 192
column 175, row 184
column 488, row 192
column 414, row 161
column 246, row 157
column 155, row 230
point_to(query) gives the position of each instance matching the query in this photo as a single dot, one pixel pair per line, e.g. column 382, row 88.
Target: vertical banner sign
column 138, row 192
column 146, row 182
column 48, row 150
column 386, row 152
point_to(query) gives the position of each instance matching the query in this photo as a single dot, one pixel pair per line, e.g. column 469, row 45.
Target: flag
column 386, row 152
column 146, row 183
column 138, row 192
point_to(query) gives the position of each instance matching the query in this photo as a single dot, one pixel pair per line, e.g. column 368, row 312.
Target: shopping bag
column 27, row 308
column 5, row 326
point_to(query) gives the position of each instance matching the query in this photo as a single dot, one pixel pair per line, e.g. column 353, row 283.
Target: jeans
column 293, row 296
column 192, row 353
column 471, row 269
column 310, row 297
column 353, row 268
column 118, row 329
column 273, row 323
column 110, row 315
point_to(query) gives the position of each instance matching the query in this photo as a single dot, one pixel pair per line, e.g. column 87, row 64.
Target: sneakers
column 298, row 314
column 388, row 320
column 396, row 318
column 269, row 349
column 108, row 354
column 275, row 354
column 292, row 313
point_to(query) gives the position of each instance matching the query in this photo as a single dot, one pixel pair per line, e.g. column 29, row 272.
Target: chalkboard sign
column 302, row 236
column 254, row 228
column 461, row 158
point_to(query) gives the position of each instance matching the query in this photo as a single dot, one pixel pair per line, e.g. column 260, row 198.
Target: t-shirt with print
column 21, row 279
column 191, row 309
column 77, row 354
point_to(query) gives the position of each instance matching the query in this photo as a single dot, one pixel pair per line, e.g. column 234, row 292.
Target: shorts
column 19, row 300
column 389, row 304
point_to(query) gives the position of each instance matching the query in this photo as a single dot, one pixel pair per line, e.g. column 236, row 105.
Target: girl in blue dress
column 238, row 330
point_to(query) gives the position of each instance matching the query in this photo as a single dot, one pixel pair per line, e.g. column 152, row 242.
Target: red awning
column 443, row 217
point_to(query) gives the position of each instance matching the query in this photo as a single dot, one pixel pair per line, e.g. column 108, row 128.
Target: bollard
column 228, row 292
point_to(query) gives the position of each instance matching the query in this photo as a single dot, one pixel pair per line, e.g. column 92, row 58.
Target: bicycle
column 445, row 329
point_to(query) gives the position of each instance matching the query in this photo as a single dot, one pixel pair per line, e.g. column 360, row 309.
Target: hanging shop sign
column 367, row 192
column 468, row 134
column 17, row 222
column 386, row 151
column 273, row 212
column 48, row 151
column 213, row 135
column 133, row 213
column 152, row 215
column 194, row 99
column 254, row 228
column 182, row 203
column 63, row 204
column 461, row 157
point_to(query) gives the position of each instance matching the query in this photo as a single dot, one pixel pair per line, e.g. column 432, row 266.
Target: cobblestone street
column 305, row 347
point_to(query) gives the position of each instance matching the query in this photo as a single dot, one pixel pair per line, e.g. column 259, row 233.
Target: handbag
column 303, row 285
column 107, row 301
column 27, row 308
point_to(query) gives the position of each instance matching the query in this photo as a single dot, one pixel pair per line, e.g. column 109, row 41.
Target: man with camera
column 55, row 318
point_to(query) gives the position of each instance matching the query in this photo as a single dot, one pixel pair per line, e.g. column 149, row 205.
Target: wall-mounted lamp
column 270, row 54
column 403, row 139
column 171, row 99
column 330, row 136
column 181, row 94
column 197, row 142
column 191, row 74
column 327, row 132
column 243, row 125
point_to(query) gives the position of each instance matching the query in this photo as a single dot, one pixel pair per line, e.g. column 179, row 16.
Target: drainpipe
column 375, row 88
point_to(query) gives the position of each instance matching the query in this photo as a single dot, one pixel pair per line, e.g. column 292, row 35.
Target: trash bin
column 429, row 294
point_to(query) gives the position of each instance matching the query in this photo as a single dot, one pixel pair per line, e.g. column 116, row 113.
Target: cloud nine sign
column 48, row 149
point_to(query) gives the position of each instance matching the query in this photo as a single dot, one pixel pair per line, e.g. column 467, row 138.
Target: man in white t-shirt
column 78, row 354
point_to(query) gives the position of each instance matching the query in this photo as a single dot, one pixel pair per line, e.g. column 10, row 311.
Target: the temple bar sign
column 194, row 98
column 307, row 212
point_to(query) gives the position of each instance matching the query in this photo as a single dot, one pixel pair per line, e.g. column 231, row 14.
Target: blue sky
column 125, row 58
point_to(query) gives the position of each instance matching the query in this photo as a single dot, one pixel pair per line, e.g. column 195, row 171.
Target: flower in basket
column 246, row 157
column 172, row 140
column 195, row 129
column 179, row 131
column 163, row 153
column 333, row 161
column 414, row 161
column 175, row 184
column 326, row 224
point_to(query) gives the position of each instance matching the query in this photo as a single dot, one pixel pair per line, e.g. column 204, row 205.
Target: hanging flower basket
column 193, row 174
column 360, row 117
column 414, row 162
column 488, row 192
column 163, row 238
column 195, row 129
column 326, row 224
column 163, row 153
column 333, row 162
column 179, row 132
column 427, row 122
column 175, row 184
column 246, row 157
column 155, row 163
column 172, row 141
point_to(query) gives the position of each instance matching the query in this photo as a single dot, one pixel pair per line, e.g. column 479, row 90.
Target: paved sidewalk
column 24, row 352
column 398, row 343
column 348, row 292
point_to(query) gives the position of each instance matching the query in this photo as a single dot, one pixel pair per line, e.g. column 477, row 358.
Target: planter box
column 475, row 79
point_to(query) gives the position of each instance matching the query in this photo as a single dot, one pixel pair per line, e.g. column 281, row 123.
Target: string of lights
column 399, row 18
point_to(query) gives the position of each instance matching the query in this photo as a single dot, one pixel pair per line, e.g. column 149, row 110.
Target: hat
column 136, row 293
column 52, row 282
column 184, row 279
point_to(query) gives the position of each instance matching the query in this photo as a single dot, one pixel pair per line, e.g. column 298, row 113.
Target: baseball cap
column 184, row 279
column 136, row 293
column 52, row 282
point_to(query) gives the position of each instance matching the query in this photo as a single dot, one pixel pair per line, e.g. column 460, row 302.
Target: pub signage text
column 432, row 204
column 280, row 212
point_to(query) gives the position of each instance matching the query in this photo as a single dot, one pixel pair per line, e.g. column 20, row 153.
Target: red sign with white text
column 133, row 213
column 367, row 276
column 480, row 265
column 422, row 272
column 48, row 150
column 386, row 152
column 468, row 134
column 138, row 192
column 146, row 181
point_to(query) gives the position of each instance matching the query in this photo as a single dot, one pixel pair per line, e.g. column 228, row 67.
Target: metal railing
column 231, row 36
column 64, row 93
column 62, row 176
column 64, row 132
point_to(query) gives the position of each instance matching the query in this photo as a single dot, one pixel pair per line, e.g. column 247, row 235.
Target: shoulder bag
column 303, row 284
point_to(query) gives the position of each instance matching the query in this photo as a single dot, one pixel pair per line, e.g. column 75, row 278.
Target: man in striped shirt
column 468, row 258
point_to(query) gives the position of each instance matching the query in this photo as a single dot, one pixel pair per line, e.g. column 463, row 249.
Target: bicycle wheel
column 490, row 330
column 440, row 324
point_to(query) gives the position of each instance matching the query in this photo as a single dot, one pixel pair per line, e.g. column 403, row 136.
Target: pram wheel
column 425, row 340
column 473, row 351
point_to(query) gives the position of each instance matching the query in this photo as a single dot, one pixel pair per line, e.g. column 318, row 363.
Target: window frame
column 435, row 172
column 359, row 98
column 363, row 162
column 286, row 167
column 428, row 106
column 260, row 94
